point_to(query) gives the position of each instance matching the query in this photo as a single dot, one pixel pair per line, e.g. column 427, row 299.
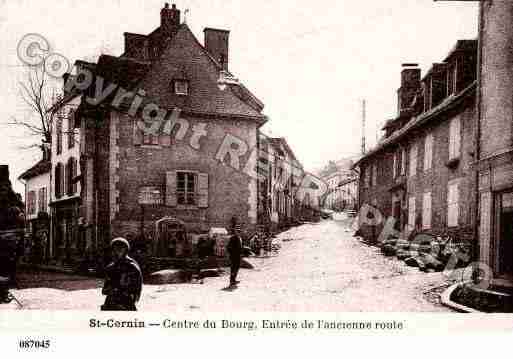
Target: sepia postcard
column 201, row 168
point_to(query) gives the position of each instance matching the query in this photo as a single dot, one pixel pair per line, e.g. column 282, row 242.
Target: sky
column 310, row 62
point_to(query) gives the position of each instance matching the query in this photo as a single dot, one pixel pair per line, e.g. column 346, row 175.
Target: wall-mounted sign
column 150, row 195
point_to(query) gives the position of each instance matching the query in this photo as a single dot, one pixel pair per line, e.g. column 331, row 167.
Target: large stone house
column 196, row 169
column 495, row 135
column 420, row 174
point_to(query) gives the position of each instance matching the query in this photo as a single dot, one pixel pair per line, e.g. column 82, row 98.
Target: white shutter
column 454, row 138
column 403, row 162
column 138, row 135
column 411, row 213
column 413, row 160
column 171, row 189
column 426, row 211
column 203, row 190
column 452, row 205
column 428, row 152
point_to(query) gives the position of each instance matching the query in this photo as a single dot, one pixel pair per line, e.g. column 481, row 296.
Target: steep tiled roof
column 39, row 168
column 449, row 103
column 183, row 58
column 186, row 59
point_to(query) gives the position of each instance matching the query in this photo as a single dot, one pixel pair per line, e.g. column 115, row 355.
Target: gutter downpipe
column 476, row 244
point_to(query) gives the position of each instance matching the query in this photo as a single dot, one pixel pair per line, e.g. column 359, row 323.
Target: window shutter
column 165, row 140
column 62, row 185
column 138, row 136
column 426, row 211
column 171, row 189
column 67, row 173
column 203, row 190
column 413, row 160
column 455, row 138
column 58, row 189
column 411, row 213
column 394, row 167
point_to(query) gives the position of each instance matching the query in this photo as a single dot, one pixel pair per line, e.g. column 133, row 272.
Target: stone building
column 495, row 134
column 342, row 185
column 196, row 169
column 66, row 240
column 37, row 202
column 420, row 174
column 279, row 204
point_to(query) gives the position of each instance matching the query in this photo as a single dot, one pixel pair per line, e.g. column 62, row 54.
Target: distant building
column 37, row 197
column 278, row 202
column 342, row 185
column 420, row 175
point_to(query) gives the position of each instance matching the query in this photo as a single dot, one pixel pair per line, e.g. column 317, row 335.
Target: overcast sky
column 310, row 62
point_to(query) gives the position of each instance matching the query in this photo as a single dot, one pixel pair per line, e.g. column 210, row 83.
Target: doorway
column 505, row 233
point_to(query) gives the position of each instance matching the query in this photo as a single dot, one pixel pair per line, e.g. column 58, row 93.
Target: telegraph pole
column 364, row 114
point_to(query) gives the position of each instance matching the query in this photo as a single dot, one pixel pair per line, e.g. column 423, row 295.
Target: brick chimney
column 169, row 19
column 410, row 83
column 216, row 43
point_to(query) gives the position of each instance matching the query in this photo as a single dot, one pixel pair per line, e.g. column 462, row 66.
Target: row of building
column 445, row 163
column 103, row 176
column 342, row 185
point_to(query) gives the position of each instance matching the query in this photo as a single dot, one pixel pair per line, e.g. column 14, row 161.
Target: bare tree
column 38, row 95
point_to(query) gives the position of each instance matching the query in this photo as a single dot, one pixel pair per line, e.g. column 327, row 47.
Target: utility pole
column 364, row 104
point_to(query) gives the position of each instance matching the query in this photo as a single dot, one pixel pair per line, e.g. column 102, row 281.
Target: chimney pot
column 169, row 19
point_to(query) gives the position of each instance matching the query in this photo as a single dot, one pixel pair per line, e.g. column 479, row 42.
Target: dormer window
column 181, row 87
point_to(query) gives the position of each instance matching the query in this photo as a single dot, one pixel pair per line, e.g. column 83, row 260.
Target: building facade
column 37, row 204
column 66, row 240
column 342, row 185
column 495, row 138
column 279, row 205
column 197, row 169
column 420, row 175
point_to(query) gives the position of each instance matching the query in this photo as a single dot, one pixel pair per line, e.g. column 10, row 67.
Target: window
column 181, row 87
column 413, row 160
column 452, row 204
column 59, row 180
column 403, row 162
column 454, row 138
column 71, row 173
column 394, row 166
column 58, row 133
column 31, row 202
column 42, row 200
column 426, row 210
column 451, row 79
column 367, row 177
column 375, row 174
column 71, row 129
column 428, row 152
column 150, row 195
column 186, row 188
column 411, row 213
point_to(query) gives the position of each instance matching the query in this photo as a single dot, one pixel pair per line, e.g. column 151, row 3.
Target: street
column 320, row 267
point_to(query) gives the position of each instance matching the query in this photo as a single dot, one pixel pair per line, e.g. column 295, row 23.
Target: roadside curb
column 445, row 299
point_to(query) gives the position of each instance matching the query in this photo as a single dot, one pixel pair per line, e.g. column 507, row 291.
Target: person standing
column 234, row 249
column 123, row 283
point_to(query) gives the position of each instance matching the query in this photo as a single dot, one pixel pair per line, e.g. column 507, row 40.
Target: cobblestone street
column 320, row 267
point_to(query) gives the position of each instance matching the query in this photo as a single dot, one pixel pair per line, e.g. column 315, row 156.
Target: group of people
column 123, row 276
